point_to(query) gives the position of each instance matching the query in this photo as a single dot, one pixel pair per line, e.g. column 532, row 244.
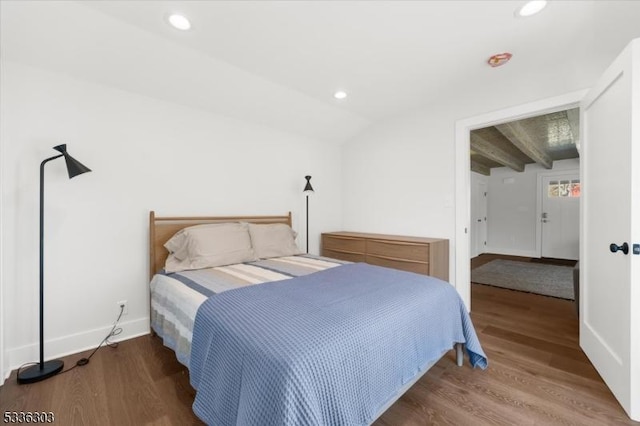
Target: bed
column 298, row 338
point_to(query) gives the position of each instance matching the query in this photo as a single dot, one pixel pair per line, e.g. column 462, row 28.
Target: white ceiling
column 277, row 63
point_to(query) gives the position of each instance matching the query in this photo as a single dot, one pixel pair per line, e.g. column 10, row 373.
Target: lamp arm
column 42, row 256
column 46, row 160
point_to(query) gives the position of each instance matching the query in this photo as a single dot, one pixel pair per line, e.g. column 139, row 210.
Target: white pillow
column 177, row 245
column 273, row 240
column 207, row 246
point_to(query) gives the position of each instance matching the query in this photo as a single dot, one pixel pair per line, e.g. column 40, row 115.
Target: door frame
column 541, row 176
column 462, row 268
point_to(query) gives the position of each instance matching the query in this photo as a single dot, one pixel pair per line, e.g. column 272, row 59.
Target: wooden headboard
column 163, row 228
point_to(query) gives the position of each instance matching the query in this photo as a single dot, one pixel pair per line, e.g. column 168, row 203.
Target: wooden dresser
column 429, row 256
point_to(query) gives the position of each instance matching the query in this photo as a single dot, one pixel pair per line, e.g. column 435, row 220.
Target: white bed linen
column 173, row 311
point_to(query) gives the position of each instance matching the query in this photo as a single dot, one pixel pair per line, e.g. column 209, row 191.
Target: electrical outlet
column 121, row 303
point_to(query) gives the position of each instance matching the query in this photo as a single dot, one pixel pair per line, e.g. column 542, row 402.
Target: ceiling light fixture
column 180, row 22
column 530, row 8
column 340, row 94
column 499, row 59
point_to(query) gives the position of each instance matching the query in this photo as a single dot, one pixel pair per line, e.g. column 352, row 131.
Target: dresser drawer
column 428, row 256
column 398, row 250
column 341, row 255
column 354, row 245
column 404, row 265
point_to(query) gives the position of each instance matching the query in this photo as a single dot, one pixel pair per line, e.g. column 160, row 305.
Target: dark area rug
column 539, row 278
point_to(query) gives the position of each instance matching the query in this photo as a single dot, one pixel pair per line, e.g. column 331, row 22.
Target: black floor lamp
column 308, row 190
column 44, row 370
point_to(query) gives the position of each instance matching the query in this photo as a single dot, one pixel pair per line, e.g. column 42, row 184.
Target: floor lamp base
column 39, row 372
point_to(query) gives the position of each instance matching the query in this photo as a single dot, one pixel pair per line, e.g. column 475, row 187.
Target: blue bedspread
column 330, row 348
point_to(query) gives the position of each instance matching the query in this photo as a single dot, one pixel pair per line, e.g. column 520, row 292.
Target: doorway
column 462, row 273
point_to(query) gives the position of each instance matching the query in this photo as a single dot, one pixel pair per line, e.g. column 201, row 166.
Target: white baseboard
column 73, row 343
column 511, row 252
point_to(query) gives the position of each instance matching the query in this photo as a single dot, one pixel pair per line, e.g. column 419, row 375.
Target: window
column 564, row 189
column 575, row 188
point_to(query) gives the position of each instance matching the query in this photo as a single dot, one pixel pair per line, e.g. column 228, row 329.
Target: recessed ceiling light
column 180, row 22
column 531, row 8
column 340, row 94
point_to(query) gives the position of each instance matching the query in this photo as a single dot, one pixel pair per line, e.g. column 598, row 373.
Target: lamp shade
column 308, row 189
column 74, row 167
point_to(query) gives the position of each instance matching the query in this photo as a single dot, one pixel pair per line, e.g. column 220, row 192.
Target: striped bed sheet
column 176, row 297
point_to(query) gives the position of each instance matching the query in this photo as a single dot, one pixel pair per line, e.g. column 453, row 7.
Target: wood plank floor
column 537, row 375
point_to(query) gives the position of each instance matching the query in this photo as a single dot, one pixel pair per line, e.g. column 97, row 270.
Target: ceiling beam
column 519, row 136
column 480, row 168
column 488, row 150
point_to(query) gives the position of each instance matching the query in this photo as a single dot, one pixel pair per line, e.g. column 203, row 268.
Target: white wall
column 145, row 155
column 512, row 208
column 398, row 179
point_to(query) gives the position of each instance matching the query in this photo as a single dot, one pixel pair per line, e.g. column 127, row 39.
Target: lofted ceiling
column 542, row 140
column 278, row 63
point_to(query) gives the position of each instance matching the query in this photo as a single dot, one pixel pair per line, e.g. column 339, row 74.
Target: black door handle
column 624, row 248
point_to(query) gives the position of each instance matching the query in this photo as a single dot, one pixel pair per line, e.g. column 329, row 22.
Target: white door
column 481, row 218
column 478, row 217
column 560, row 216
column 610, row 282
